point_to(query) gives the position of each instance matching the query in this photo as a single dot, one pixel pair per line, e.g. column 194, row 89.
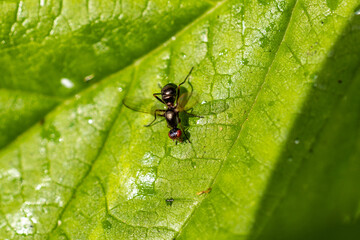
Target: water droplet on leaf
column 67, row 83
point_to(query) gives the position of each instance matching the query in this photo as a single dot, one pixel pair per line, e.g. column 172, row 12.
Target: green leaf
column 52, row 50
column 20, row 110
column 279, row 147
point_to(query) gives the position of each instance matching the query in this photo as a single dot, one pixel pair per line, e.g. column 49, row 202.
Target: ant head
column 168, row 93
column 174, row 133
column 169, row 89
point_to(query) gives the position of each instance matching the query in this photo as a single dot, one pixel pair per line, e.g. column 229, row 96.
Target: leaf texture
column 279, row 80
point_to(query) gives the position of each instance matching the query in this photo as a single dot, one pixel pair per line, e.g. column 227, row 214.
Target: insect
column 169, row 201
column 174, row 103
column 204, row 192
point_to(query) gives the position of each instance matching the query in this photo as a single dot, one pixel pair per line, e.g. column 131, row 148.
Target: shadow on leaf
column 312, row 193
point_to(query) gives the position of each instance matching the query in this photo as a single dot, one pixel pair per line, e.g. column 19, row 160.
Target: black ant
column 170, row 96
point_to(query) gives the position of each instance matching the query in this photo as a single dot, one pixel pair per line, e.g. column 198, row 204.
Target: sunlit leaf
column 275, row 156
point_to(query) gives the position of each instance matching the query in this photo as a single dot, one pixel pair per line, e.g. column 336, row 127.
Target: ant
column 170, row 96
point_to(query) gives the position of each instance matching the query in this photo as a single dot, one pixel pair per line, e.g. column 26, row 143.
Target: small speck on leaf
column 106, row 224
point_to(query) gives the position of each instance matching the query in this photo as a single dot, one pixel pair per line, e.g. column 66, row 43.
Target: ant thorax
column 170, row 105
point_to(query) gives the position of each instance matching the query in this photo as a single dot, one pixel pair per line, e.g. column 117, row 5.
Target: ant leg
column 158, row 97
column 156, row 111
column 148, row 125
column 192, row 115
column 182, row 129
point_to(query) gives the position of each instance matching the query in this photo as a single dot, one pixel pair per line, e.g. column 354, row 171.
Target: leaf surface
column 279, row 81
